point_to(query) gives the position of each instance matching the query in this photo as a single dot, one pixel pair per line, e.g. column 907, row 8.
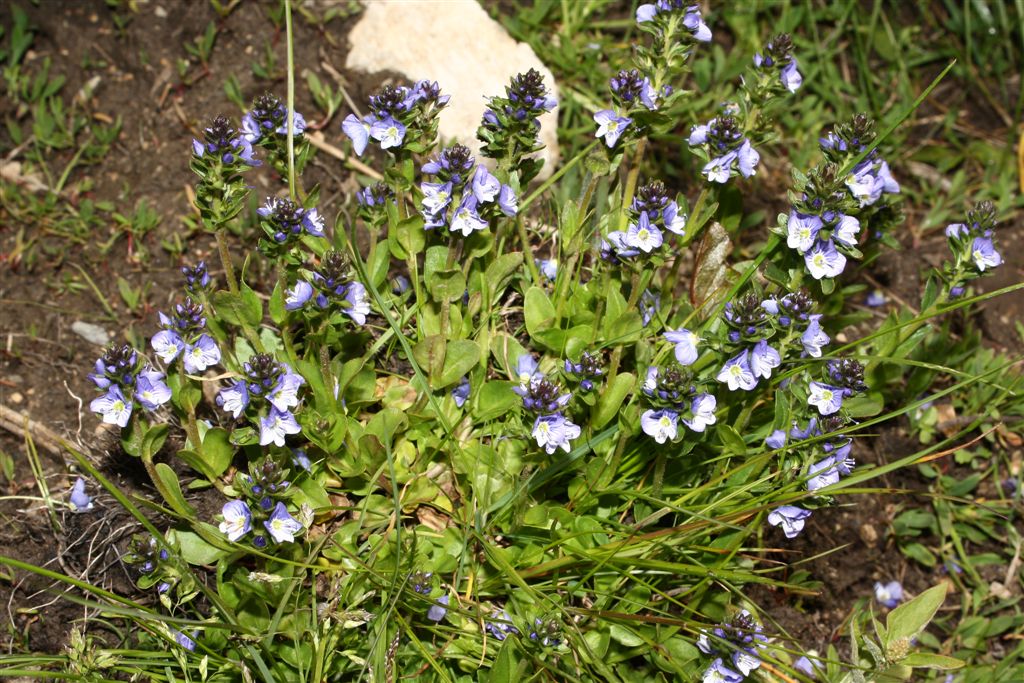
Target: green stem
column 225, row 260
column 669, row 285
column 291, row 98
column 658, row 484
column 524, row 241
column 631, row 181
column 634, row 297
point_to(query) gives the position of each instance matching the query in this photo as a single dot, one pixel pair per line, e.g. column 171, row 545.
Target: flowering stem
column 631, row 180
column 524, row 240
column 669, row 285
column 659, row 473
column 570, row 268
column 557, row 174
column 225, row 260
column 291, row 98
column 634, row 297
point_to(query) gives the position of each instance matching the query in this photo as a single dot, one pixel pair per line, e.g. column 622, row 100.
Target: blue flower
column 553, row 432
column 889, row 594
column 150, row 390
column 80, row 501
column 183, row 640
column 685, row 345
column 610, row 126
column 814, row 337
column 285, row 394
column 113, row 406
column 277, row 425
column 281, row 526
column 499, row 624
column 703, row 409
column 357, row 303
column 234, row 398
column 718, row 672
column 439, row 609
column 388, row 132
column 660, row 424
column 650, row 304
column 296, row 297
column 201, row 355
column 776, row 439
column 643, row 235
column 548, row 268
column 358, row 131
column 824, row 261
column 802, row 230
column 237, row 520
column 737, row 373
column 984, row 254
column 167, row 344
column 826, row 398
column 485, row 186
column 466, row 219
column 461, row 393
column 763, row 359
column 846, row 230
column 527, row 370
column 790, row 517
column 508, row 202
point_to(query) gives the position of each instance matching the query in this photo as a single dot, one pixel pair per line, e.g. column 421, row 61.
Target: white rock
column 91, row 333
column 455, row 43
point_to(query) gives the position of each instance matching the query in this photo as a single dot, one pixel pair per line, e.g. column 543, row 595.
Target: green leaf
column 133, row 435
column 460, row 357
column 504, row 669
column 217, row 451
column 731, row 439
column 494, row 400
column 924, row 660
column 410, row 237
column 538, row 311
column 171, row 490
column 193, row 548
column 443, row 282
column 242, row 309
column 278, row 314
column 611, row 399
column 429, row 352
column 501, row 269
column 623, row 635
column 910, row 618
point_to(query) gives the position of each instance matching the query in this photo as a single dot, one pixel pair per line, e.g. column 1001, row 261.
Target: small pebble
column 16, row 397
column 160, row 12
column 94, row 334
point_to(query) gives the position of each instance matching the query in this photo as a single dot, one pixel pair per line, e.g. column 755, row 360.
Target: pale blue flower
column 660, row 424
column 737, row 373
column 790, row 517
column 358, row 131
column 685, row 345
column 296, row 297
column 80, row 501
column 201, row 355
column 611, row 126
column 237, row 520
column 281, row 526
column 826, row 398
column 703, row 408
column 554, row 431
column 113, row 406
column 276, row 426
column 889, row 594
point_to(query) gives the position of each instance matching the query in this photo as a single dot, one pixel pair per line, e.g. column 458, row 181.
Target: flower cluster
column 736, row 646
column 587, row 370
column 373, row 201
column 722, row 144
column 152, row 561
column 332, row 286
column 184, row 335
column 397, row 113
column 284, row 221
column 651, row 207
column 262, row 508
column 665, row 11
column 267, row 118
column 128, row 383
column 197, row 278
column 778, row 59
column 871, row 177
column 671, row 393
column 223, row 143
column 465, row 196
column 972, row 245
column 551, row 429
column 275, row 383
column 510, row 124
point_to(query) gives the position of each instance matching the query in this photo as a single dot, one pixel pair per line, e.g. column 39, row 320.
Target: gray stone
column 94, row 334
column 455, row 43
